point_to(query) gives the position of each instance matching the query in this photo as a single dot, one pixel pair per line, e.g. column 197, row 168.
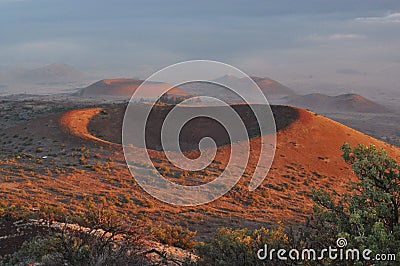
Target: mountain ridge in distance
column 123, row 87
column 267, row 85
column 270, row 88
column 48, row 74
column 349, row 102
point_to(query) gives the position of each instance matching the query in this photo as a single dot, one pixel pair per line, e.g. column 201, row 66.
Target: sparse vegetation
column 105, row 241
column 239, row 247
column 175, row 235
column 367, row 218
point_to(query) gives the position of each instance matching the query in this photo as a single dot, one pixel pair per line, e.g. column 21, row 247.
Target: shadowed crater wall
column 107, row 124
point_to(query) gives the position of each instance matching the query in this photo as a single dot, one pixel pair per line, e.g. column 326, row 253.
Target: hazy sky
column 352, row 44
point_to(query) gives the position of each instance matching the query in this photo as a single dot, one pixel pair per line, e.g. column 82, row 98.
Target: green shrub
column 369, row 216
column 239, row 246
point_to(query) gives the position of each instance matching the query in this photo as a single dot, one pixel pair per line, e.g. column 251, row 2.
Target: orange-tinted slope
column 125, row 88
column 308, row 155
column 311, row 147
column 76, row 123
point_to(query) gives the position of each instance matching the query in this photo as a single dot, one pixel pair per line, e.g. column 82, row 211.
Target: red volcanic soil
column 68, row 160
column 76, row 123
column 308, row 155
column 124, row 88
column 341, row 103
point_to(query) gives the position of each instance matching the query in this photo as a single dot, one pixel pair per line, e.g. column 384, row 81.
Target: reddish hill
column 308, row 155
column 342, row 103
column 272, row 87
column 67, row 166
column 268, row 86
column 125, row 88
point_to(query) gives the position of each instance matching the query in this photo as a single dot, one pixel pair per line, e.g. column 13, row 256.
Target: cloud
column 345, row 36
column 390, row 18
column 337, row 37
